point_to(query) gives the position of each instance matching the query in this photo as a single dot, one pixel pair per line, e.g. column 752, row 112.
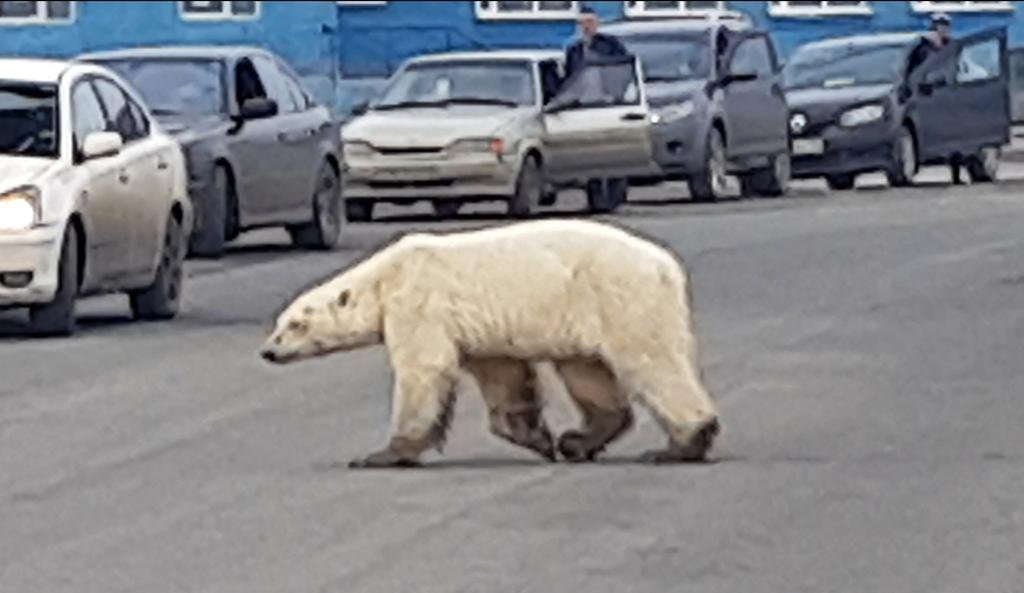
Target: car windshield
column 28, row 120
column 671, row 58
column 845, row 65
column 505, row 83
column 176, row 87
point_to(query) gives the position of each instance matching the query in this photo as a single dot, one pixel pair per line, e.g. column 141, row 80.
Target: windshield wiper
column 158, row 112
column 406, row 104
column 481, row 101
column 663, row 78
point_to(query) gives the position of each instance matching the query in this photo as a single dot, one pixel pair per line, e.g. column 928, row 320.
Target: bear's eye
column 307, row 311
column 343, row 298
column 297, row 326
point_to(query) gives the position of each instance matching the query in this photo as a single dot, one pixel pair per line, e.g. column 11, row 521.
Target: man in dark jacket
column 590, row 42
column 604, row 195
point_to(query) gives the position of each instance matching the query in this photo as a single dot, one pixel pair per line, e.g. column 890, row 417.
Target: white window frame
column 224, row 15
column 928, row 7
column 825, row 8
column 492, row 13
column 639, row 10
column 41, row 17
column 344, row 3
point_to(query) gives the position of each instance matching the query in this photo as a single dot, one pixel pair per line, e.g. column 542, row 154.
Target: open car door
column 598, row 125
column 982, row 89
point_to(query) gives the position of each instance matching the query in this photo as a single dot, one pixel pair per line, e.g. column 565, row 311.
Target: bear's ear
column 343, row 298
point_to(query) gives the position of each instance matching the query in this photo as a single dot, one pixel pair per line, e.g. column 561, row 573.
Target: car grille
column 411, row 183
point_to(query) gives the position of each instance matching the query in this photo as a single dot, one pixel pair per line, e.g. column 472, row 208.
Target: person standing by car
column 591, row 43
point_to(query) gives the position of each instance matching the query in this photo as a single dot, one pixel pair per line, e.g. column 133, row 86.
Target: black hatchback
column 857, row 106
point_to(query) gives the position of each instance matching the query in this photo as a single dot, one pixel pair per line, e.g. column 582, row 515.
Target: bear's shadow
column 483, row 463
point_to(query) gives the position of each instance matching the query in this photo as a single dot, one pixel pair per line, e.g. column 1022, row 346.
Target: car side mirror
column 741, row 76
column 102, row 144
column 258, row 108
column 360, row 108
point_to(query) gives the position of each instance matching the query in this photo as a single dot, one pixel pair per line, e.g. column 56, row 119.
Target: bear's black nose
column 269, row 355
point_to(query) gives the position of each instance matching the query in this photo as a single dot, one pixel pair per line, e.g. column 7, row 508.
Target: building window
column 20, row 12
column 216, row 10
column 527, row 10
column 668, row 8
column 962, row 6
column 828, row 8
column 362, row 2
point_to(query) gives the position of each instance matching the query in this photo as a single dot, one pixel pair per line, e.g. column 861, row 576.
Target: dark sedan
column 261, row 151
column 856, row 106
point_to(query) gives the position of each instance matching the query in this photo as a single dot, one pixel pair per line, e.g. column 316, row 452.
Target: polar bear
column 611, row 309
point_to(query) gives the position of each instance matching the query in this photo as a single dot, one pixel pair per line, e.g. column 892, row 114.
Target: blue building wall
column 345, row 51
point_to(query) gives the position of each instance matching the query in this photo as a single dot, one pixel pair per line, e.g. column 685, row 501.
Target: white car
column 93, row 195
column 497, row 125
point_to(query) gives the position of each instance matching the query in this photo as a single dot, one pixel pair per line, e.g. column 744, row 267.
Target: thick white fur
column 539, row 290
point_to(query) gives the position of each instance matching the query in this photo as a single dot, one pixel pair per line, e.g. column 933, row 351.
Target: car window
column 752, row 55
column 292, row 81
column 497, row 81
column 275, row 85
column 844, row 65
column 175, row 87
column 86, row 113
column 120, row 116
column 979, row 61
column 28, row 120
column 247, row 83
column 614, row 83
column 671, row 57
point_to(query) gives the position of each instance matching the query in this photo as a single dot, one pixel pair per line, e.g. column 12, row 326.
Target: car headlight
column 479, row 145
column 357, row 149
column 671, row 113
column 861, row 115
column 19, row 209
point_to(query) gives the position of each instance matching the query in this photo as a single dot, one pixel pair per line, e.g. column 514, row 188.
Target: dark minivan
column 857, row 106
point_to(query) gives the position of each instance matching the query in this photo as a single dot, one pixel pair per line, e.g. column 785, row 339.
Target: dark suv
column 859, row 106
column 261, row 151
column 715, row 91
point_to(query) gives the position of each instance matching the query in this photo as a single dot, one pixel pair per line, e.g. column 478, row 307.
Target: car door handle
column 633, row 117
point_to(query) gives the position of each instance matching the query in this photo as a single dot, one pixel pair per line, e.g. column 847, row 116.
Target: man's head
column 588, row 23
column 942, row 25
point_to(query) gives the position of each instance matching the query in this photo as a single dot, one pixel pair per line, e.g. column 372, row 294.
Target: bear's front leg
column 422, row 407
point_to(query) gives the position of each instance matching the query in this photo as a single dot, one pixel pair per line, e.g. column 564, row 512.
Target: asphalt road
column 867, row 349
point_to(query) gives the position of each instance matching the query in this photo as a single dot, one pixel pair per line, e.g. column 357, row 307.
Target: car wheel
column 447, row 209
column 841, row 182
column 710, row 184
column 162, row 299
column 549, row 198
column 984, row 166
column 772, row 181
column 324, row 230
column 359, row 210
column 57, row 318
column 215, row 220
column 529, row 189
column 904, row 160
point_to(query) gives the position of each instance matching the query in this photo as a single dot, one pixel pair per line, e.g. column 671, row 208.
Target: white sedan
column 93, row 195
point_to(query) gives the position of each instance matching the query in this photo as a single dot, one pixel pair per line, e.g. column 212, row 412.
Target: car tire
column 984, row 166
column 529, row 189
column 162, row 299
column 57, row 318
column 215, row 228
column 772, row 181
column 324, row 230
column 904, row 159
column 447, row 209
column 359, row 210
column 549, row 198
column 841, row 182
column 709, row 185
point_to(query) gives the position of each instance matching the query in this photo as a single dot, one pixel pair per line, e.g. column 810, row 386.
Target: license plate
column 407, row 172
column 803, row 146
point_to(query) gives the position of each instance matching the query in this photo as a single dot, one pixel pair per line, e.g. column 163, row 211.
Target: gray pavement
column 866, row 348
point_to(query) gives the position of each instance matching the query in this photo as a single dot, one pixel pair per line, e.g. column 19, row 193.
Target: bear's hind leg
column 515, row 410
column 423, row 403
column 605, row 409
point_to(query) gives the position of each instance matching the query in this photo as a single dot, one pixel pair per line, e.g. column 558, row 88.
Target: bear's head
column 331, row 318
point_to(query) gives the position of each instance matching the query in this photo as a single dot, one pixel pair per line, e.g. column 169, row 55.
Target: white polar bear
column 612, row 310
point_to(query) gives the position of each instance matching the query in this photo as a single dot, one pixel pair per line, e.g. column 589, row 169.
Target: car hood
column 836, row 97
column 664, row 93
column 431, row 127
column 18, row 171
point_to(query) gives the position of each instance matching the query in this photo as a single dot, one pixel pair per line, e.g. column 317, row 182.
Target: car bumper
column 397, row 179
column 678, row 148
column 843, row 151
column 34, row 254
